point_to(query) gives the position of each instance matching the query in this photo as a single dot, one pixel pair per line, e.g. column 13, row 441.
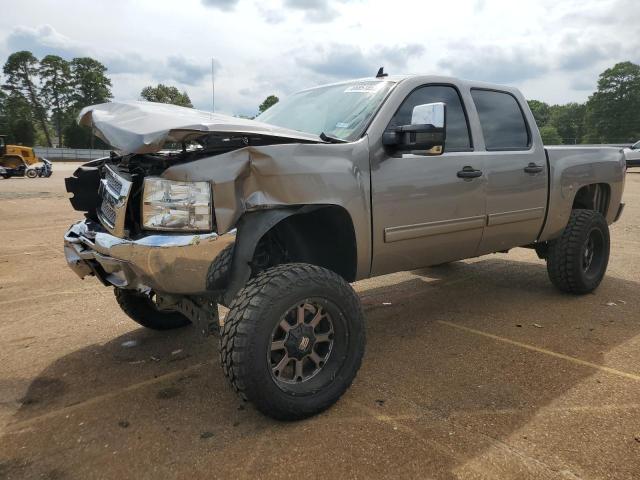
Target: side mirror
column 426, row 133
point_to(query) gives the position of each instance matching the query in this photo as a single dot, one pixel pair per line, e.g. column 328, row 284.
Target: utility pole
column 213, row 86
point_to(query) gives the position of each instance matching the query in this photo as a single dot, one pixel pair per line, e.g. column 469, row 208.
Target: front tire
column 31, row 173
column 141, row 309
column 577, row 261
column 293, row 340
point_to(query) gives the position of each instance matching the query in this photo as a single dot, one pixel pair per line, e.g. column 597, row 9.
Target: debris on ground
column 123, row 424
column 611, row 304
column 386, row 303
column 129, row 344
column 537, row 325
column 206, row 435
column 380, row 402
column 155, row 359
column 176, row 352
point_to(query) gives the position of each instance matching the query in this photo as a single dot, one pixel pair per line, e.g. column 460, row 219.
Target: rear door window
column 502, row 121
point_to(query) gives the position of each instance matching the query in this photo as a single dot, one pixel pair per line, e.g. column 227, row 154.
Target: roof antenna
column 381, row 73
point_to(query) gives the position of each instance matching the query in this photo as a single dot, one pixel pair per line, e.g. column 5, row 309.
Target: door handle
column 533, row 168
column 469, row 172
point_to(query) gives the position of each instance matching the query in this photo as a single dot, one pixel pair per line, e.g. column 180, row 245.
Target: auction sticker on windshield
column 364, row 87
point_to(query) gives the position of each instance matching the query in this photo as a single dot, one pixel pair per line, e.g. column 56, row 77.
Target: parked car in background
column 632, row 155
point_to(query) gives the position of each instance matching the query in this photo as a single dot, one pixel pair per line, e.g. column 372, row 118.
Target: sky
column 553, row 50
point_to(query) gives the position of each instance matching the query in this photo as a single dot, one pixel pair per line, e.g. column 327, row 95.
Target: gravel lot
column 479, row 369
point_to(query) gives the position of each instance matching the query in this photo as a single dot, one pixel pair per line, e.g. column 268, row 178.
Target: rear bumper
column 169, row 263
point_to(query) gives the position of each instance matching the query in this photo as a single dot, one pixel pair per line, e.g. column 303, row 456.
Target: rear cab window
column 502, row 120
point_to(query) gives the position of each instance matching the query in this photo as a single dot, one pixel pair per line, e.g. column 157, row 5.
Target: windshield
column 635, row 146
column 341, row 111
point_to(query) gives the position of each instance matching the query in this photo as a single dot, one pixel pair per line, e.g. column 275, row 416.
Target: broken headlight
column 169, row 205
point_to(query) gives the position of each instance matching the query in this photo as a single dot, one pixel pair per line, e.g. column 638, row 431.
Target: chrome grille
column 113, row 183
column 108, row 210
column 114, row 191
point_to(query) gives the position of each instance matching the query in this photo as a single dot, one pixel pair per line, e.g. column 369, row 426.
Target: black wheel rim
column 301, row 343
column 592, row 253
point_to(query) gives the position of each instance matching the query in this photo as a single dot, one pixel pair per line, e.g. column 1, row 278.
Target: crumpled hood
column 144, row 127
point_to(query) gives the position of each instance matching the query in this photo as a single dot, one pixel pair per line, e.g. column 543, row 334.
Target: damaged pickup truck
column 275, row 217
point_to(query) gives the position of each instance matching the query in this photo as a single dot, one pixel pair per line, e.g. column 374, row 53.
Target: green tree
column 269, row 102
column 55, row 73
column 22, row 70
column 90, row 86
column 568, row 120
column 166, row 94
column 613, row 111
column 550, row 135
column 16, row 117
column 4, row 118
column 541, row 111
column 23, row 133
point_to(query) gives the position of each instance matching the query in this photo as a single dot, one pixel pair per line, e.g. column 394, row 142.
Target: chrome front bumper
column 175, row 264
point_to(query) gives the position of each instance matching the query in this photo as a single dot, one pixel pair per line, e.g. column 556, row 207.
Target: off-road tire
column 565, row 255
column 220, row 269
column 31, row 173
column 141, row 309
column 246, row 336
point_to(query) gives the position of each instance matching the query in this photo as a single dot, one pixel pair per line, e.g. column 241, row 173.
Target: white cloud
column 552, row 49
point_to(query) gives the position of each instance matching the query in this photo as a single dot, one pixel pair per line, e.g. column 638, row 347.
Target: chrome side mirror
column 426, row 133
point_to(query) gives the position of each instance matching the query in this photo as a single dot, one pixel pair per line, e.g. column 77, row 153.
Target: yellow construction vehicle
column 17, row 161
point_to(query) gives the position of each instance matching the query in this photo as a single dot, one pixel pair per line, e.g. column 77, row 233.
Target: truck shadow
column 417, row 366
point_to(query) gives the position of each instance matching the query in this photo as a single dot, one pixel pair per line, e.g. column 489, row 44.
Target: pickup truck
column 275, row 217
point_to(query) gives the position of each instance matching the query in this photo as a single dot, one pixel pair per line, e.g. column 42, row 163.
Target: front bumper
column 169, row 263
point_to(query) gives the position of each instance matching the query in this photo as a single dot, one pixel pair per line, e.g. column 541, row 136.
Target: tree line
column 610, row 115
column 40, row 101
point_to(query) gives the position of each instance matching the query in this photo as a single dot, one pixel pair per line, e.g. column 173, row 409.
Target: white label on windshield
column 365, row 87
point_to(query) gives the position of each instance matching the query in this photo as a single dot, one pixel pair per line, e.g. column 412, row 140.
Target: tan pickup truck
column 274, row 217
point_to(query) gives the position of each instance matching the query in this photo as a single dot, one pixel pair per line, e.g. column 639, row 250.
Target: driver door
column 424, row 213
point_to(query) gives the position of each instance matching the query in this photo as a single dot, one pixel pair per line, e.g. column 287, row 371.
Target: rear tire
column 577, row 261
column 293, row 340
column 141, row 309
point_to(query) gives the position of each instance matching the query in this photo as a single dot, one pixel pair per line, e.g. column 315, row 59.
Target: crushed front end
column 145, row 233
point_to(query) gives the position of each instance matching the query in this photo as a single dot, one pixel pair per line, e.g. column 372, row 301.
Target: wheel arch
column 322, row 235
column 594, row 196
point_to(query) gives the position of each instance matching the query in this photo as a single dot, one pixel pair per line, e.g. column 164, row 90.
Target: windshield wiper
column 326, row 138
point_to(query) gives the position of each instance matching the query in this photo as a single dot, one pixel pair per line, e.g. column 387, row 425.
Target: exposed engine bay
column 134, row 167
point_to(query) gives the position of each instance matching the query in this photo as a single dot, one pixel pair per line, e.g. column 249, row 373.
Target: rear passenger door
column 516, row 173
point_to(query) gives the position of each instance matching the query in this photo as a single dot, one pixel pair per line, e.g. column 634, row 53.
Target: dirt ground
column 479, row 369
